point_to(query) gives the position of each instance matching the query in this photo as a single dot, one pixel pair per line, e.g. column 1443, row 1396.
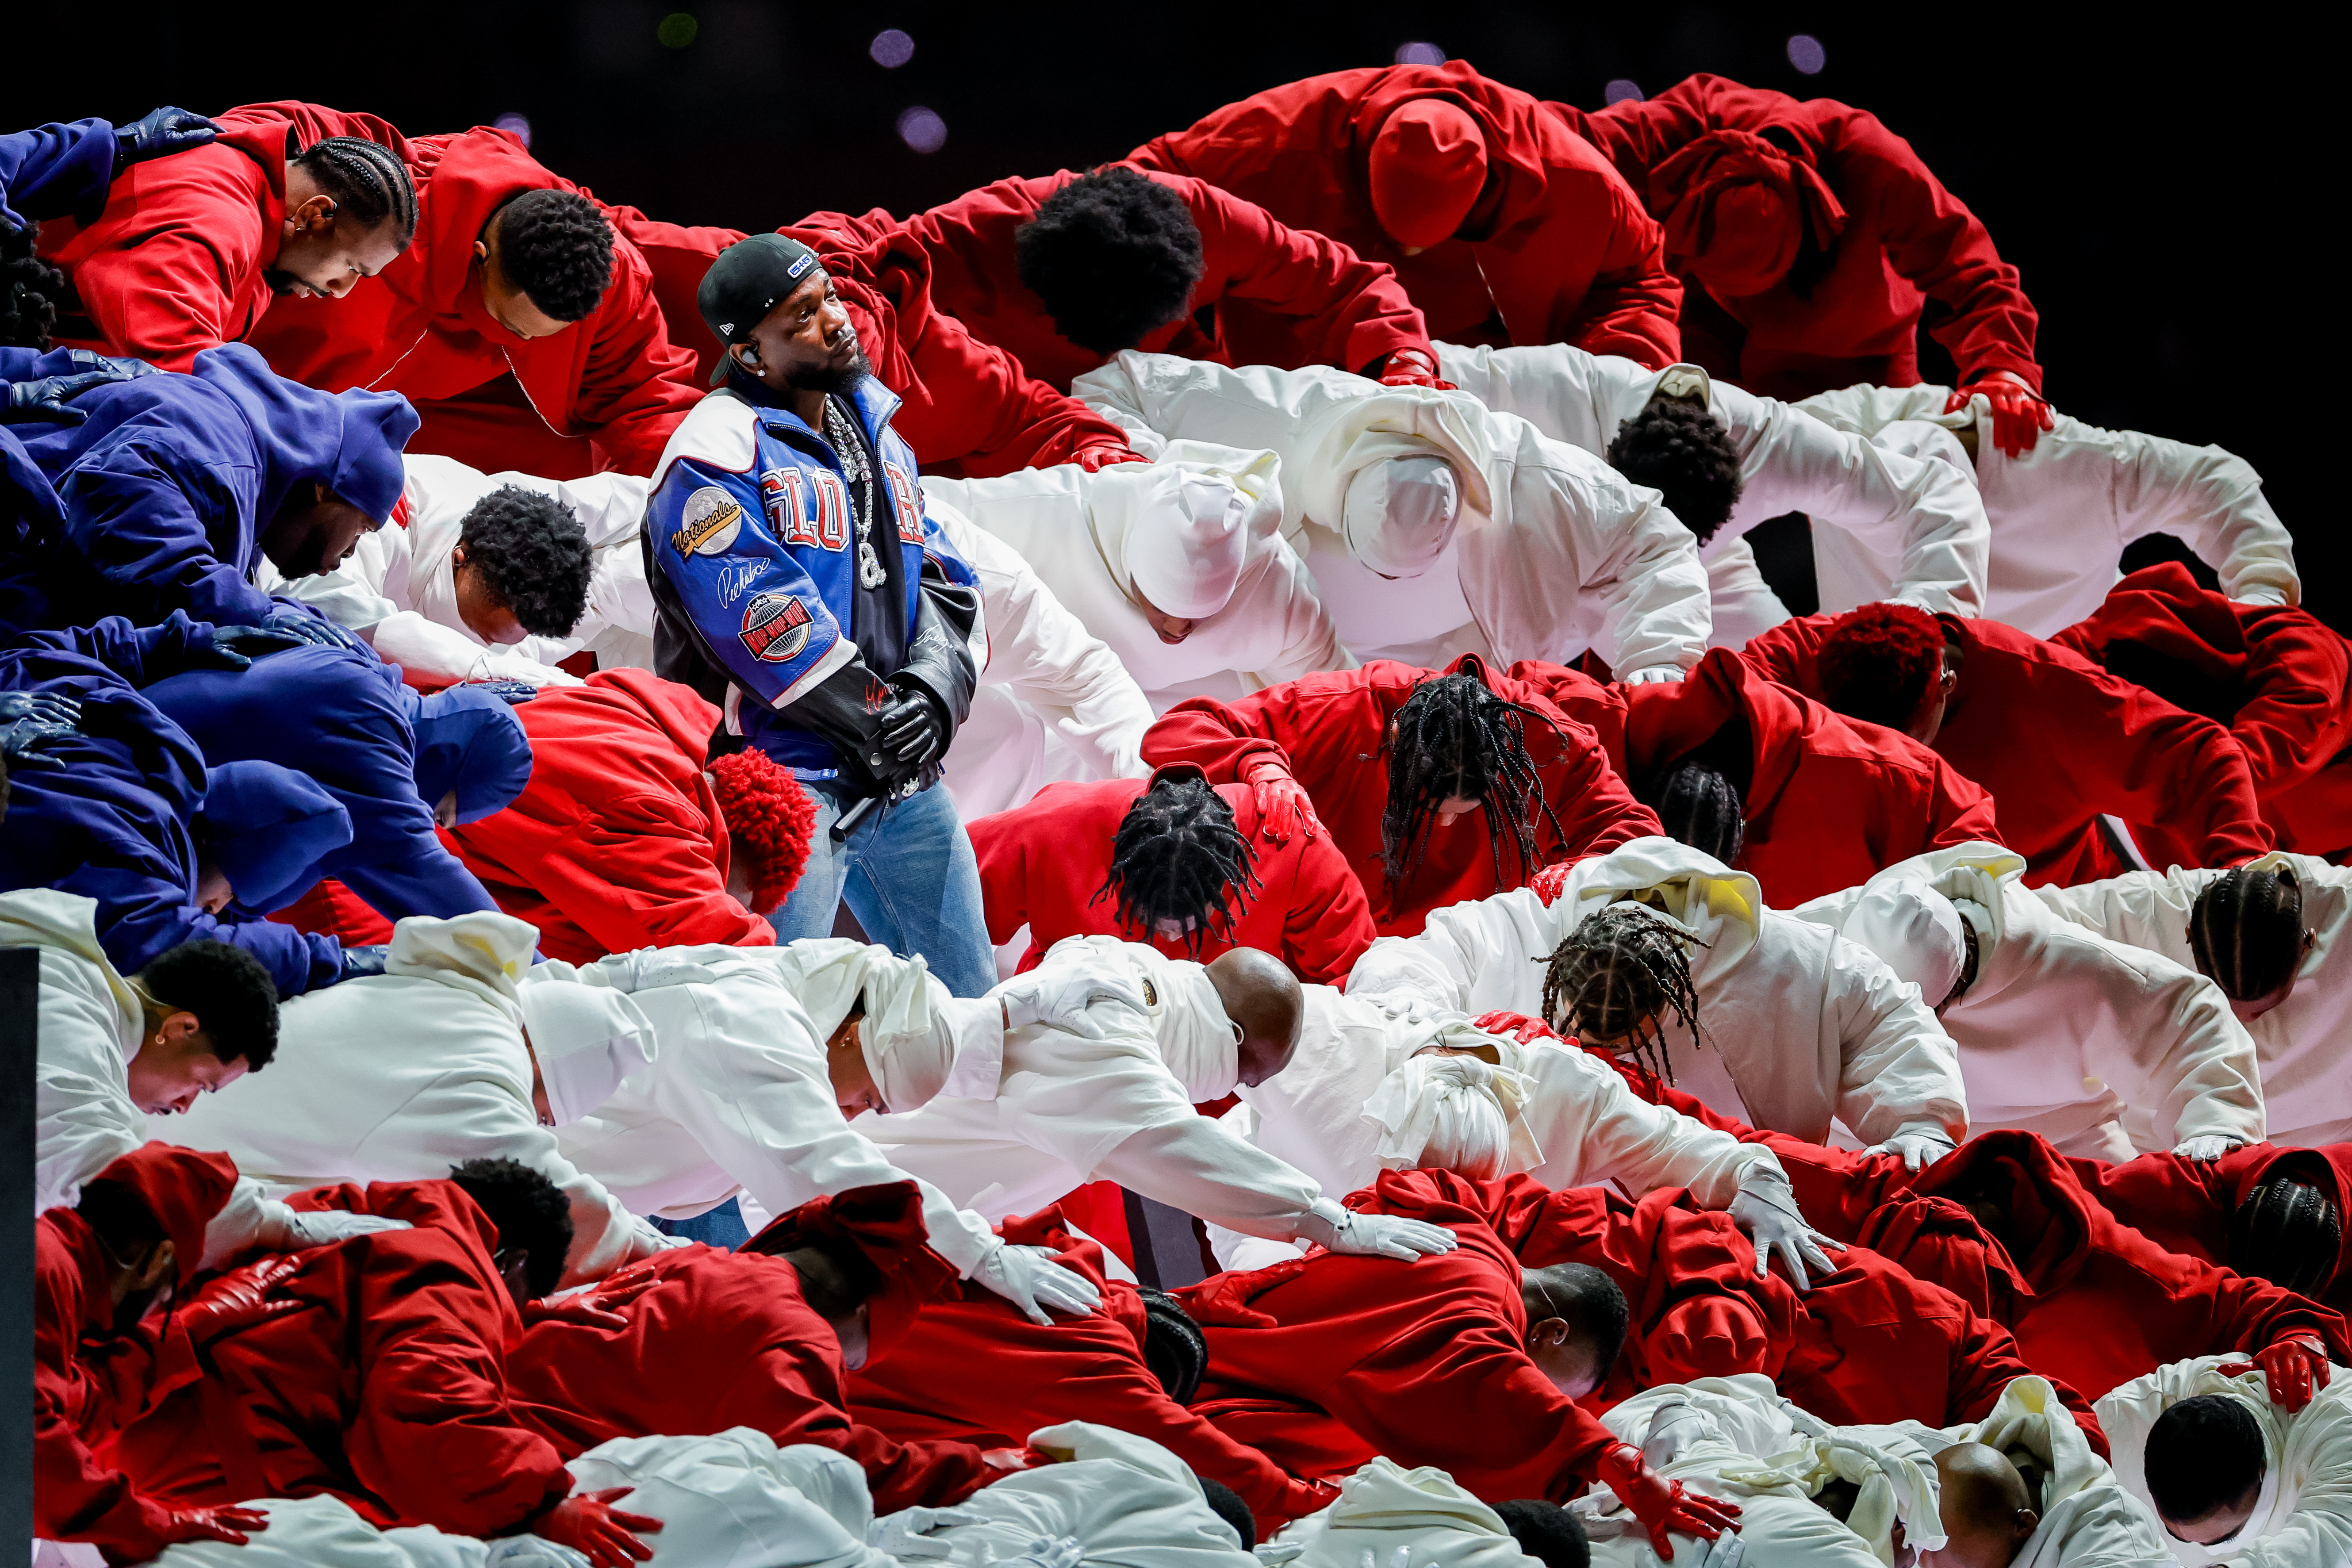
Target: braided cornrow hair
column 2289, row 1233
column 1179, row 856
column 30, row 290
column 1615, row 977
column 1455, row 740
column 370, row 183
column 1700, row 807
column 2246, row 931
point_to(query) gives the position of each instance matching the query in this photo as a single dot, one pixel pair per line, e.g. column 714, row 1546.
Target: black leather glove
column 363, row 961
column 303, row 626
column 236, row 648
column 913, row 730
column 30, row 720
column 158, row 133
column 513, row 693
column 50, row 398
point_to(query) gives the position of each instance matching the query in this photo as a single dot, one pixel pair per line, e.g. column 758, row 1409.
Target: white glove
column 1651, row 675
column 2207, row 1146
column 1674, row 1427
column 905, row 1534
column 531, row 1551
column 1725, row 1551
column 645, row 1240
column 1059, row 997
column 1921, row 1146
column 317, row 1227
column 1766, row 1208
column 1403, row 1559
column 1373, row 1235
column 650, row 968
column 515, row 667
column 1029, row 1279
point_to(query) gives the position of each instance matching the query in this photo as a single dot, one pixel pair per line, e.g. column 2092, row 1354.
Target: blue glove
column 31, row 719
column 363, row 961
column 513, row 693
column 49, row 398
column 158, row 133
column 236, row 648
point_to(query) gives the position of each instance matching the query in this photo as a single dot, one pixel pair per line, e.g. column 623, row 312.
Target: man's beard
column 281, row 283
column 828, row 378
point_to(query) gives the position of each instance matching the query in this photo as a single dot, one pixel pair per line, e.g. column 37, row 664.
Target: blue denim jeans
column 722, row 1228
column 907, row 872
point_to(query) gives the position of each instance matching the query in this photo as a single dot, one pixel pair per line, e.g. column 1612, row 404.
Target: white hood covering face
column 909, row 1057
column 1916, row 930
column 1188, row 541
column 1453, row 1113
column 586, row 1040
column 1399, row 515
column 1419, row 1515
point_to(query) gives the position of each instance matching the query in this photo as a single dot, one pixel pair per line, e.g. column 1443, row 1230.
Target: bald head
column 1263, row 998
column 1988, row 1514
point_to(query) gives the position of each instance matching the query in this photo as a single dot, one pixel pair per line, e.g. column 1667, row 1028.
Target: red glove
column 1661, row 1505
column 1551, row 881
column 595, row 1308
column 183, row 1524
column 604, row 1535
column 1281, row 806
column 1095, row 459
column 1414, row 367
column 2019, row 412
column 238, row 1299
column 2296, row 1369
column 1515, row 1026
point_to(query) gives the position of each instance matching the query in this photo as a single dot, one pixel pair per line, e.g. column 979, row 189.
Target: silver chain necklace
column 844, row 440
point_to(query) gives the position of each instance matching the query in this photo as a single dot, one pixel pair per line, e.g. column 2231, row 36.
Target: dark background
column 2147, row 170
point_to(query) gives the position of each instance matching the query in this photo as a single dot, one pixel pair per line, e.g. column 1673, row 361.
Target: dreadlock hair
column 1616, row 976
column 1877, row 662
column 1173, row 1346
column 2288, row 1232
column 1700, row 807
column 1179, row 856
column 1683, row 453
column 557, row 248
column 1113, row 255
column 528, row 1212
column 1457, row 740
column 30, row 290
column 369, row 183
column 534, row 557
column 2246, row 931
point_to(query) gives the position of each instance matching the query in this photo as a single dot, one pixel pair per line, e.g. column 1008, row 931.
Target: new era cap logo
column 797, row 268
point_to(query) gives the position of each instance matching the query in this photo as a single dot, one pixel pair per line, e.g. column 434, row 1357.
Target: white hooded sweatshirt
column 398, row 589
column 739, row 1100
column 1387, row 1511
column 2306, row 1093
column 1079, row 533
column 1553, row 552
column 2107, row 1050
column 1921, row 516
column 1053, row 702
column 1119, row 1108
column 397, row 1076
column 2303, row 1517
column 2062, row 512
column 1802, row 1025
column 1571, row 1122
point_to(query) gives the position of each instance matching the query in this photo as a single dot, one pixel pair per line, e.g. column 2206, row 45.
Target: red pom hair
column 1878, row 663
column 770, row 820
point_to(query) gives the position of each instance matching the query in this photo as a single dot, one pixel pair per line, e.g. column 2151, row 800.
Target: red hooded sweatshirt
column 1888, row 243
column 2278, row 676
column 90, row 1379
column 1556, row 249
column 969, row 408
column 174, row 262
column 604, row 393
column 2185, row 1205
column 389, row 1392
column 2059, row 742
column 726, row 1338
column 1042, row 865
column 617, row 842
column 1326, row 1361
column 976, row 1369
column 1329, row 731
column 1308, row 300
column 1827, row 800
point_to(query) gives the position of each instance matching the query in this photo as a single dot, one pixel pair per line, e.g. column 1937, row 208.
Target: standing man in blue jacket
column 803, row 588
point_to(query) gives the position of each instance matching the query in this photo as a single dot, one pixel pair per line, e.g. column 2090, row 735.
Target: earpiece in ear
column 749, row 357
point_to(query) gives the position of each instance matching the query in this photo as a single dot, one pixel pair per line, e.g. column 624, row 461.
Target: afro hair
column 770, row 820
column 30, row 290
column 533, row 554
column 556, row 246
column 1546, row 1532
column 1113, row 255
column 232, row 996
column 1684, row 454
column 1878, row 663
column 529, row 1211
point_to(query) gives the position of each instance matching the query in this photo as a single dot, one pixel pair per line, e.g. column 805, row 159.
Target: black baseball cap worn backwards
column 749, row 279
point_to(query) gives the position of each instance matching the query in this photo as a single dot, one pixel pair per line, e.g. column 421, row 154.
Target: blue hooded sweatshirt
column 53, row 170
column 117, row 821
column 346, row 720
column 161, row 495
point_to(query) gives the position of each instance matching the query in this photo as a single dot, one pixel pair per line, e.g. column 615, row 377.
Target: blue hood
column 351, row 439
column 473, row 743
column 266, row 826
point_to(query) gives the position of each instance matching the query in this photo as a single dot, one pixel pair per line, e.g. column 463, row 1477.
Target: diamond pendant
column 869, row 566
